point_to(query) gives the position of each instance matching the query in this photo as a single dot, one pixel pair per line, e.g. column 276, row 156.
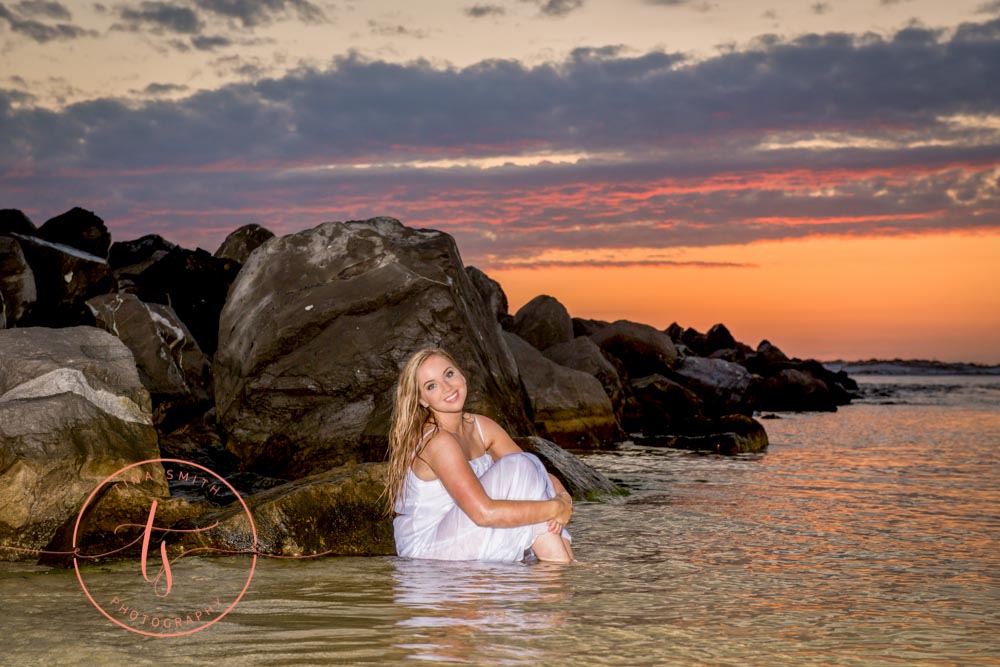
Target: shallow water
column 865, row 537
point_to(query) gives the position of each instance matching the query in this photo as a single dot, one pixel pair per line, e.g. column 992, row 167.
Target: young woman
column 461, row 488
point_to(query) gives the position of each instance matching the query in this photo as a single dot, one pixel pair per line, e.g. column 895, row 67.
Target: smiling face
column 442, row 386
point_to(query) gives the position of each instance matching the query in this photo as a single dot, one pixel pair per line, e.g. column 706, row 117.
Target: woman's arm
column 445, row 457
column 499, row 444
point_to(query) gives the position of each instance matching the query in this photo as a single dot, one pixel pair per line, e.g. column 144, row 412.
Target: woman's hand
column 565, row 513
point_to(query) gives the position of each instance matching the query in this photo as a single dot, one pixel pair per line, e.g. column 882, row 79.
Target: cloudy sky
column 822, row 174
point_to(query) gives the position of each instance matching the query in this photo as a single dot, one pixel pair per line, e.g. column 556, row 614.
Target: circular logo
column 165, row 593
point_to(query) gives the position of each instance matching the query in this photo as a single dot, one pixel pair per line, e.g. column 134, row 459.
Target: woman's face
column 442, row 386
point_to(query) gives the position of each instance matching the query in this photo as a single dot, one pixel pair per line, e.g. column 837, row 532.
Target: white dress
column 430, row 525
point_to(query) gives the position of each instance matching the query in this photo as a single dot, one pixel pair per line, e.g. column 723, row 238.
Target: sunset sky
column 825, row 175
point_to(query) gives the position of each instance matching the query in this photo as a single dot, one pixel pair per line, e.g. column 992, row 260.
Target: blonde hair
column 409, row 421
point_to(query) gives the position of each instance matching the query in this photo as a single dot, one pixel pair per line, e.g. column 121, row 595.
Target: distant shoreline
column 910, row 367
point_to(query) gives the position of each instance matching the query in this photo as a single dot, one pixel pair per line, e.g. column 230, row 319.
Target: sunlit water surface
column 865, row 537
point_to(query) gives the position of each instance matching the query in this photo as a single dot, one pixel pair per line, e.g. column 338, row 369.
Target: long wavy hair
column 410, row 420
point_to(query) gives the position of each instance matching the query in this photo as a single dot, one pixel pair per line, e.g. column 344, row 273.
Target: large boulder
column 338, row 512
column 492, row 295
column 582, row 354
column 243, row 241
column 639, row 349
column 543, row 322
column 72, row 412
column 569, row 407
column 585, row 327
column 658, row 405
column 80, row 229
column 171, row 365
column 194, row 284
column 317, row 327
column 14, row 221
column 65, row 278
column 795, row 389
column 722, row 386
column 581, row 481
column 17, row 281
column 140, row 251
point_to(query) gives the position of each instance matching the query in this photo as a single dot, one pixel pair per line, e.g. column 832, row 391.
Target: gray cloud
column 479, row 11
column 820, row 7
column 679, row 148
column 44, row 9
column 39, row 31
column 252, row 13
column 159, row 16
column 395, row 30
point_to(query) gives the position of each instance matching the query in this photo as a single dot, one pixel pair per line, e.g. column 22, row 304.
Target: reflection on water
column 865, row 537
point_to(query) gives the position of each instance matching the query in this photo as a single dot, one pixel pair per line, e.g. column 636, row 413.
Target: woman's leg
column 552, row 547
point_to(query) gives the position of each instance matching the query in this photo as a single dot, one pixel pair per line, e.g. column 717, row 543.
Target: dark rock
column 676, row 332
column 317, row 327
column 695, row 341
column 243, row 241
column 581, row 481
column 17, row 281
column 137, row 251
column 492, row 295
column 568, row 406
column 719, row 338
column 640, row 349
column 194, row 284
column 658, row 405
column 338, row 512
column 584, row 327
column 582, row 354
column 543, row 322
column 767, row 360
column 722, row 386
column 72, row 412
column 732, row 434
column 171, row 365
column 64, row 279
column 793, row 389
column 14, row 221
column 80, row 229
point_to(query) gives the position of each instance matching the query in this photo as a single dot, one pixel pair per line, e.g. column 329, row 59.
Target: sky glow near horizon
column 825, row 175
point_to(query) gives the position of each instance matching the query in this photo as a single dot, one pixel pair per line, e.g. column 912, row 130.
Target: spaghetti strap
column 479, row 428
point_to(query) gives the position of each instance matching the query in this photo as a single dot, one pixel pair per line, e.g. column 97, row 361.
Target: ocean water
column 870, row 536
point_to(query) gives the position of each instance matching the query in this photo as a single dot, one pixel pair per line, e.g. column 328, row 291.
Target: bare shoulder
column 498, row 441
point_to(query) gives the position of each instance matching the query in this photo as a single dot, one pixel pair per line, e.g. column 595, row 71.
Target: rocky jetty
column 273, row 360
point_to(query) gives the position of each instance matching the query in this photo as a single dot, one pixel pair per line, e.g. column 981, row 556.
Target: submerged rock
column 729, row 435
column 317, row 327
column 568, row 406
column 72, row 412
column 338, row 512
